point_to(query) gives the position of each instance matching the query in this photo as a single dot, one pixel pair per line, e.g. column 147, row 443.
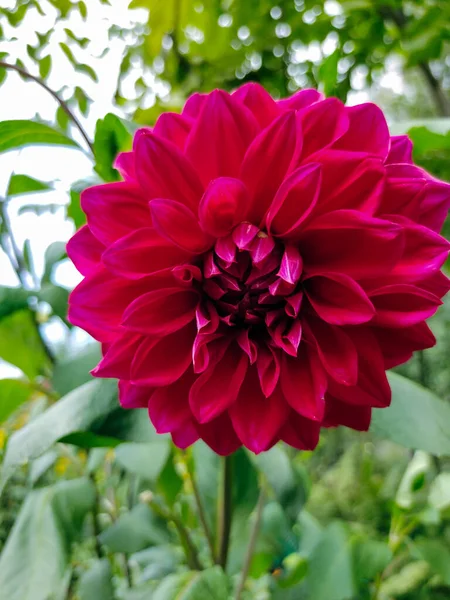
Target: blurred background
column 360, row 518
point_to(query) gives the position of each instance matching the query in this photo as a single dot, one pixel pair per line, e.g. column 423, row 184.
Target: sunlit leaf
column 18, row 134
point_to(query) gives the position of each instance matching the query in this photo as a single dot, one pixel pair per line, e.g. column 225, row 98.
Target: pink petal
column 300, row 433
column 168, row 407
column 164, row 172
column 268, row 366
column 300, row 100
column 185, row 435
column 291, row 265
column 218, row 387
column 114, row 210
column 162, row 361
column 124, row 163
column 338, row 299
column 257, row 420
column 162, row 311
column 141, row 253
column 322, row 123
column 207, row 317
column 132, row 396
column 287, row 336
column 84, row 250
column 403, row 305
column 259, row 101
column 341, row 413
column 398, row 348
column 434, row 204
column 220, row 137
column 194, row 105
column 304, row 383
column 335, row 348
column 267, row 161
column 219, row 435
column 294, row 201
column 400, row 150
column 349, row 242
column 173, row 127
column 117, row 360
column 222, row 206
column 178, row 224
column 367, row 131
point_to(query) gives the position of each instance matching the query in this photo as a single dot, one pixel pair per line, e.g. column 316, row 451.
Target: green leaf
column 13, row 393
column 416, row 419
column 440, row 126
column 169, row 483
column 23, row 184
column 439, row 496
column 437, row 555
column 330, row 574
column 18, row 134
column 12, row 299
column 21, row 345
column 111, row 137
column 157, row 562
column 211, row 584
column 136, row 530
column 54, row 254
column 72, row 371
column 408, row 579
column 45, row 64
column 68, row 52
column 144, row 460
column 35, row 559
column 78, row 411
column 82, row 8
column 370, row 557
column 57, row 297
column 83, row 100
column 87, row 70
column 97, row 582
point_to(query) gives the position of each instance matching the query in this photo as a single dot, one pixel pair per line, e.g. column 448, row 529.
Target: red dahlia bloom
column 259, row 267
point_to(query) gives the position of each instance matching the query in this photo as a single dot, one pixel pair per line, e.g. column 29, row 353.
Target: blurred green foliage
column 95, row 505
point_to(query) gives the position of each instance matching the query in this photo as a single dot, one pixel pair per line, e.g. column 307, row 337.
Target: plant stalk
column 225, row 511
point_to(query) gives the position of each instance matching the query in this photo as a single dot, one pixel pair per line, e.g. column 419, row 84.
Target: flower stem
column 201, row 512
column 225, row 510
column 60, row 101
column 251, row 543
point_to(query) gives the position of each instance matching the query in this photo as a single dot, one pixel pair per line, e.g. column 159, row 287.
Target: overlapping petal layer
column 260, row 267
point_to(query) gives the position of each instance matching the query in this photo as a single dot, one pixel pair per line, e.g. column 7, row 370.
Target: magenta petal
column 124, row 163
column 258, row 101
column 322, row 124
column 185, row 435
column 159, row 362
column 367, row 131
column 300, row 433
column 291, row 265
column 304, row 383
column 294, row 201
column 398, row 348
column 156, row 158
column 117, row 360
column 132, row 396
column 257, row 420
column 141, row 253
column 218, row 387
column 267, row 161
column 268, row 366
column 336, row 350
column 338, row 299
column 341, row 413
column 168, row 407
column 173, row 127
column 300, row 100
column 221, row 118
column 400, row 150
column 219, row 434
column 403, row 305
column 178, row 224
column 84, row 250
column 222, row 206
column 161, row 311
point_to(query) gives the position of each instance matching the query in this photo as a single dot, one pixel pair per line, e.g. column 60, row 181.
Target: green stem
column 225, row 511
column 251, row 543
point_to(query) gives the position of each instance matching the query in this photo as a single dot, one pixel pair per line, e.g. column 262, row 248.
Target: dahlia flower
column 259, row 267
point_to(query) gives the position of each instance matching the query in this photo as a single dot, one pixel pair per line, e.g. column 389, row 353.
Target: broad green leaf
column 23, row 184
column 97, row 582
column 54, row 253
column 169, row 483
column 45, row 64
column 136, row 530
column 410, row 491
column 68, row 52
column 295, row 568
column 41, row 465
column 144, row 460
column 78, row 411
column 12, row 299
column 437, row 555
column 439, row 497
column 370, row 557
column 211, row 584
column 276, row 536
column 13, row 393
column 57, row 297
column 407, row 580
column 87, row 70
column 18, row 134
column 72, row 371
column 416, row 419
column 35, row 559
column 157, row 562
column 310, row 532
column 21, row 345
column 330, row 573
column 111, row 137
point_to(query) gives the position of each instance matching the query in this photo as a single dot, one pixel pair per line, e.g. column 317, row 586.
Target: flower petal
column 185, row 435
column 114, row 210
column 300, row 99
column 222, row 206
column 257, row 420
column 218, row 387
column 178, row 224
column 168, row 406
column 219, row 434
column 220, row 137
column 173, row 127
column 84, row 250
column 268, row 366
column 116, row 362
column 398, row 348
column 367, row 131
column 341, row 413
column 300, row 433
column 259, row 101
column 133, row 396
column 164, row 171
column 403, row 305
column 322, row 123
column 338, row 299
column 400, row 150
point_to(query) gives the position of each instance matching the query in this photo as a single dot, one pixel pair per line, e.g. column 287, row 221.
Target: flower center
column 252, row 279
